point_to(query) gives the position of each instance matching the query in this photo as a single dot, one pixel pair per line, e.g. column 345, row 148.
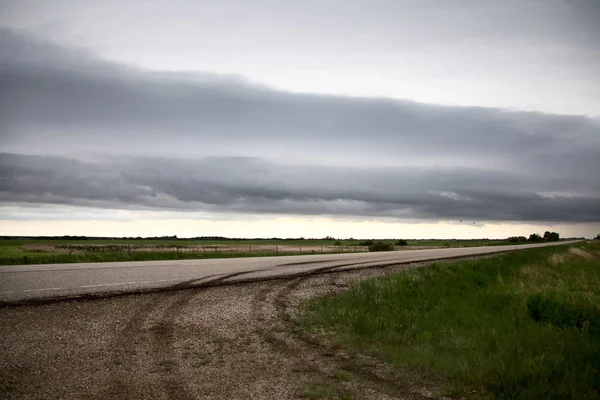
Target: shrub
column 517, row 239
column 337, row 243
column 551, row 308
column 381, row 246
column 401, row 242
column 365, row 243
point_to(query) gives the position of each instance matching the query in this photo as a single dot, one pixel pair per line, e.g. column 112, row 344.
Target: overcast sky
column 300, row 118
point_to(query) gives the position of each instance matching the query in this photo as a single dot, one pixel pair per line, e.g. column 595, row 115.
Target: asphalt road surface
column 22, row 283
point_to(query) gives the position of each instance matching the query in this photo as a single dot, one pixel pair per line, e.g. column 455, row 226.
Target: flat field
column 49, row 251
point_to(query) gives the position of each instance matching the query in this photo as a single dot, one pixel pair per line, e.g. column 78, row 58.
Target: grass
column 11, row 252
column 523, row 325
column 342, row 375
column 167, row 242
column 322, row 390
column 247, row 242
column 12, row 257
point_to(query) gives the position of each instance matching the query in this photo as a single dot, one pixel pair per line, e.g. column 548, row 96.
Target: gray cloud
column 54, row 98
column 295, row 153
column 251, row 185
column 534, row 54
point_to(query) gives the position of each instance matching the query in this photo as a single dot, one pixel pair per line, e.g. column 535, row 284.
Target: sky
column 413, row 119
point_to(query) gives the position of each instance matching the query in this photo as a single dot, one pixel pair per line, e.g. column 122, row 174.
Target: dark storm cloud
column 51, row 95
column 514, row 165
column 251, row 185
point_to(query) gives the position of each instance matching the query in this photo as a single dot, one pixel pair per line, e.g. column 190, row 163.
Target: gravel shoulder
column 234, row 341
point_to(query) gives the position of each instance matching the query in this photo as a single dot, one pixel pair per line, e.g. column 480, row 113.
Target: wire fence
column 283, row 249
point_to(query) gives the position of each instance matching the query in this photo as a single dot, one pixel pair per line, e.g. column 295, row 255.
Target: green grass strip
column 522, row 325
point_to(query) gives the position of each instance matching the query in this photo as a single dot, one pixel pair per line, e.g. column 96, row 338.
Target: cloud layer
column 242, row 185
column 183, row 141
column 535, row 54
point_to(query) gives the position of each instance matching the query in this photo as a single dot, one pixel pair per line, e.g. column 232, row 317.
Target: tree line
column 534, row 237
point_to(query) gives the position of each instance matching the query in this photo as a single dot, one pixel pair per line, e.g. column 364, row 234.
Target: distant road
column 20, row 283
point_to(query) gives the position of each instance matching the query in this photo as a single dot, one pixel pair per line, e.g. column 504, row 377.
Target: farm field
column 14, row 251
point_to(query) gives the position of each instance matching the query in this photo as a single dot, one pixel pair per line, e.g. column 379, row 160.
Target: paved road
column 50, row 281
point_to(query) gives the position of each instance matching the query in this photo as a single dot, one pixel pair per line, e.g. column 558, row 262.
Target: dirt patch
column 46, row 248
column 238, row 342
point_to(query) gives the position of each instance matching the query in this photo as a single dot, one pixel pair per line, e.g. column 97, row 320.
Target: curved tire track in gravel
column 285, row 308
column 157, row 341
column 239, row 340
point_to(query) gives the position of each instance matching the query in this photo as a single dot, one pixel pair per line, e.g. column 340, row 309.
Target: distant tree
column 381, row 246
column 551, row 236
column 534, row 237
column 598, row 236
column 401, row 242
column 329, row 238
column 517, row 239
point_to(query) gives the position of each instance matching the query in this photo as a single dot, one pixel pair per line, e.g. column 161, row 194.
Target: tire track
column 269, row 297
column 128, row 340
column 163, row 339
column 284, row 306
column 158, row 341
column 258, row 303
column 241, row 341
column 163, row 335
column 191, row 283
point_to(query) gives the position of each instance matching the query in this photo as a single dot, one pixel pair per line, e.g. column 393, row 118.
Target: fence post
column 249, row 249
column 300, row 249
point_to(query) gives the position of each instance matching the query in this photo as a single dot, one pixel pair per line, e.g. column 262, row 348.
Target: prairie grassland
column 45, row 253
column 49, row 251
